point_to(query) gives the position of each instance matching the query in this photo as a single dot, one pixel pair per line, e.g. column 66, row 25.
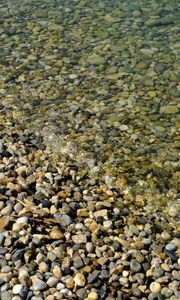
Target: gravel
column 89, row 201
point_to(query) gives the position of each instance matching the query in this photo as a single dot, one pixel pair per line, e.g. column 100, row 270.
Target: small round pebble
column 155, row 287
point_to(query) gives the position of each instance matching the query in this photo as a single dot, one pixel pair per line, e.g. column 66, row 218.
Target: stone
column 92, row 296
column 38, row 284
column 155, row 287
column 96, row 59
column 169, row 109
column 147, row 52
column 170, row 247
column 52, row 281
column 17, row 289
column 92, row 277
column 79, row 239
column 135, row 266
column 79, row 279
column 57, row 272
column 89, row 247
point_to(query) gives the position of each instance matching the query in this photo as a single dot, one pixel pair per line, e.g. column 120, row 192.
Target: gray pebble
column 136, row 292
column 170, row 247
column 93, row 276
column 139, row 277
column 6, row 295
column 38, row 285
column 135, row 266
column 78, row 263
column 155, row 296
column 52, row 281
column 81, row 293
column 158, row 272
column 64, row 220
column 167, row 293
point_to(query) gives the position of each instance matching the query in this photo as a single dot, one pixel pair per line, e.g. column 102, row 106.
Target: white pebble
column 17, row 289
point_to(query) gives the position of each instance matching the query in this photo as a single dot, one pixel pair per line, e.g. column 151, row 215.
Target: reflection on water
column 99, row 81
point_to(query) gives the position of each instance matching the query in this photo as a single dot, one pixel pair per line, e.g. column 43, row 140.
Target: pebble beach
column 89, row 144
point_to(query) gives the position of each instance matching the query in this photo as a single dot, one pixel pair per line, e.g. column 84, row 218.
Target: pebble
column 89, row 247
column 52, row 281
column 170, row 247
column 155, row 287
column 93, row 276
column 135, row 266
column 38, row 284
column 79, row 239
column 93, row 296
column 17, row 289
column 79, row 279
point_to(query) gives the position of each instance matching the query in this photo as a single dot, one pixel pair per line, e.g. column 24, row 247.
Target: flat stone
column 79, row 239
column 147, row 52
column 96, row 59
column 169, row 109
column 93, row 276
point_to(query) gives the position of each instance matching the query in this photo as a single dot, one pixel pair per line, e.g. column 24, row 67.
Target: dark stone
column 19, row 254
column 81, row 293
column 93, row 276
column 78, row 263
column 104, row 274
column 171, row 254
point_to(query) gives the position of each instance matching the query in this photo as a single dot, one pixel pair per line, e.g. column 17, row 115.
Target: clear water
column 98, row 81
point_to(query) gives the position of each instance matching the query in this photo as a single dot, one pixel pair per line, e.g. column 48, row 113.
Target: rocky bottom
column 64, row 235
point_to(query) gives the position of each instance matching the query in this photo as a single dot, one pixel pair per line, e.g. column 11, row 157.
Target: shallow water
column 98, row 81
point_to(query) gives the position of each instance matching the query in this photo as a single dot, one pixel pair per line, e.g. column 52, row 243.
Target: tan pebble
column 50, row 297
column 57, row 272
column 87, row 269
column 93, row 226
column 82, row 212
column 4, row 221
column 56, row 235
column 79, row 279
column 43, row 267
column 102, row 260
column 101, row 213
column 94, row 238
column 63, row 194
column 79, row 239
column 155, row 287
column 77, row 195
column 53, row 209
column 69, row 283
column 92, row 296
column 165, row 235
column 122, row 242
column 165, row 267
